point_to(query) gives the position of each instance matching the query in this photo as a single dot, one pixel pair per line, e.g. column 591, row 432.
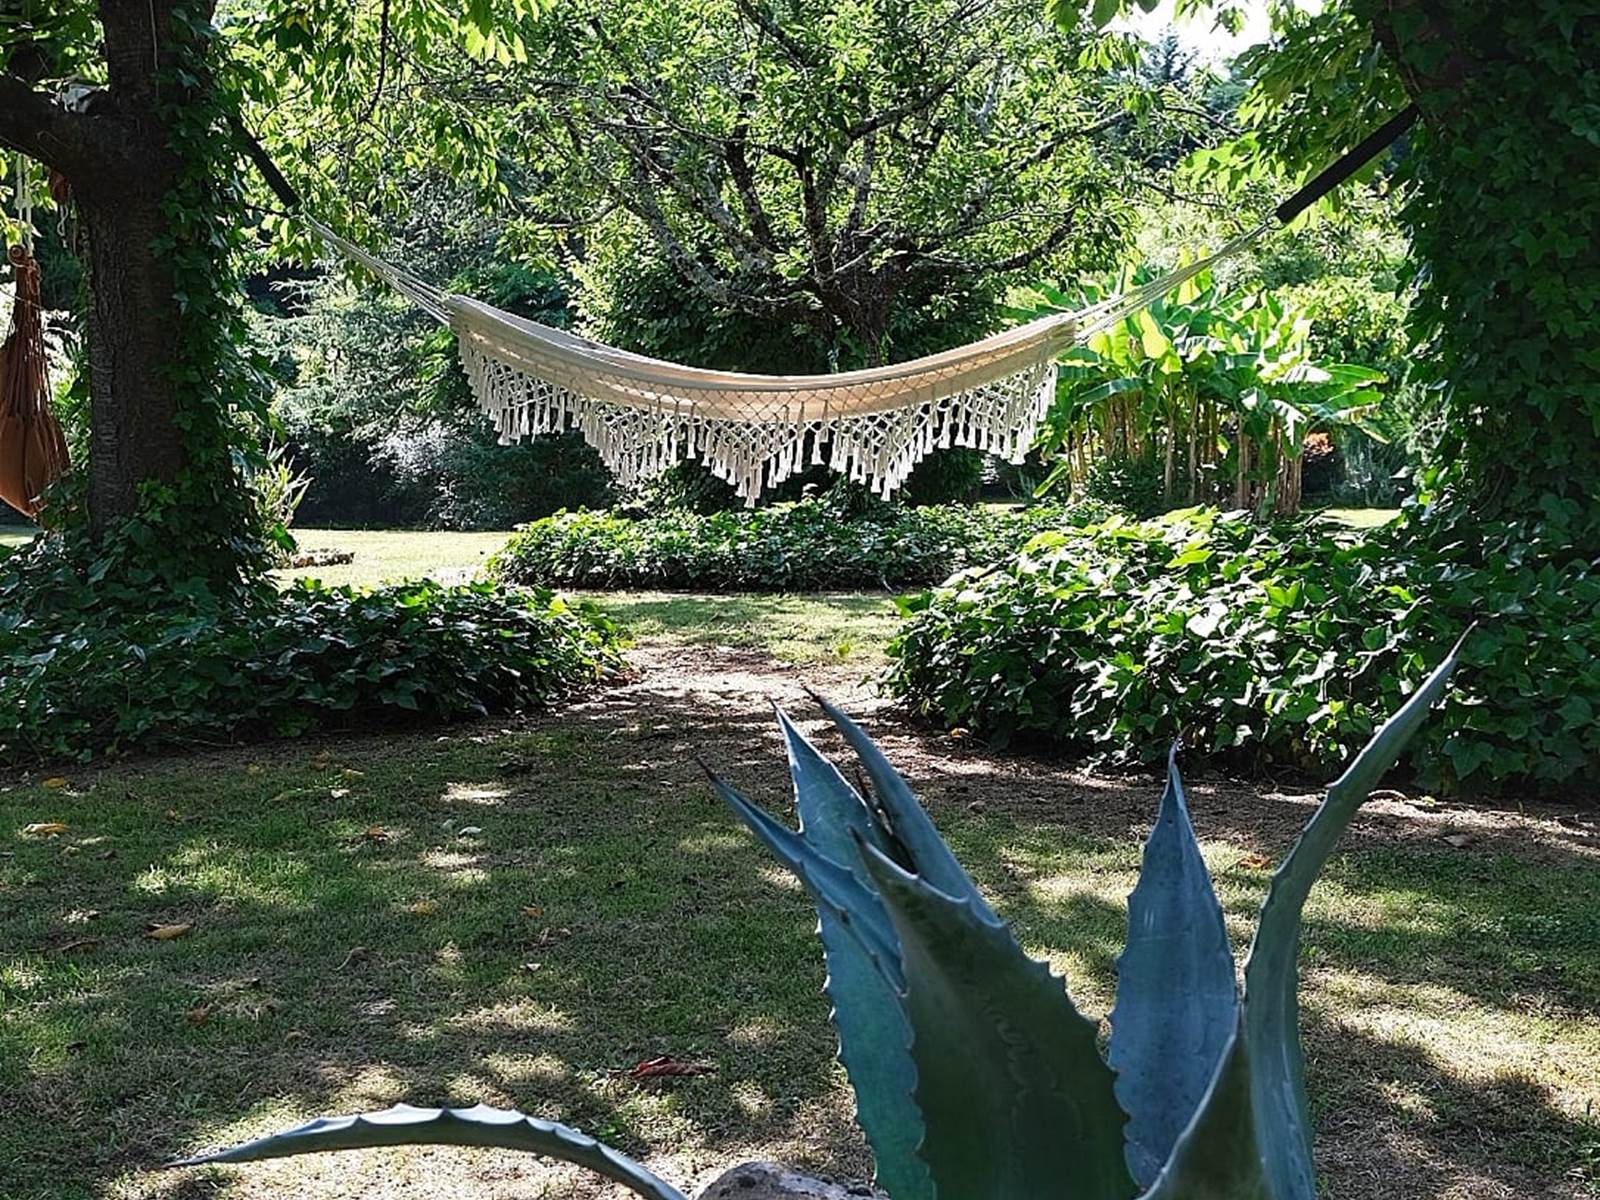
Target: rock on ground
column 769, row 1181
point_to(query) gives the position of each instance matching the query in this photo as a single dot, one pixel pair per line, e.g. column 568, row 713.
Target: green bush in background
column 1280, row 644
column 88, row 667
column 810, row 545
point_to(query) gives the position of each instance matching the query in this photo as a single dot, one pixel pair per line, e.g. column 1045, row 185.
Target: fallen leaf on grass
column 165, row 933
column 198, row 1015
column 549, row 937
column 664, row 1066
column 422, row 908
column 55, row 783
column 1459, row 840
column 338, row 793
column 531, row 910
column 45, row 828
column 352, row 774
column 1255, row 862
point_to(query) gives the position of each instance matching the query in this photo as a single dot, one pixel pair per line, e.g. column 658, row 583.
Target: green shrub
column 87, row 668
column 1131, row 484
column 806, row 546
column 1281, row 644
column 953, row 476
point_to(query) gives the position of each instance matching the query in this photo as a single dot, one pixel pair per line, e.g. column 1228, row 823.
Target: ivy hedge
column 1276, row 645
column 809, row 545
column 89, row 667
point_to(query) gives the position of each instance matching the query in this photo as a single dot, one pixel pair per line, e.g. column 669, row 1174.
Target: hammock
column 874, row 425
column 643, row 414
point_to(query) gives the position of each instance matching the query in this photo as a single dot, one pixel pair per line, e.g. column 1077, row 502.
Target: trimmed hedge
column 1276, row 645
column 86, row 670
column 810, row 545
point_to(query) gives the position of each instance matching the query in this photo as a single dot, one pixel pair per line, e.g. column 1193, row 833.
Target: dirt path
column 716, row 703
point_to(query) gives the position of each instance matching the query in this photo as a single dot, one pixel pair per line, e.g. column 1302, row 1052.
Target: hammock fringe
column 877, row 449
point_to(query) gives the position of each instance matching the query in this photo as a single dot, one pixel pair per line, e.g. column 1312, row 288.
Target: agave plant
column 975, row 1076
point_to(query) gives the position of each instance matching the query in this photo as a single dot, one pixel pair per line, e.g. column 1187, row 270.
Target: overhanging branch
column 43, row 130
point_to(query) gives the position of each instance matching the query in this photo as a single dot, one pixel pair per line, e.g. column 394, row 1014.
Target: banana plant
column 1220, row 388
column 975, row 1075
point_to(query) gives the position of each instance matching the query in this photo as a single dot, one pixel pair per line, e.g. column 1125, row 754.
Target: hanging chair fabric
column 874, row 425
column 33, row 451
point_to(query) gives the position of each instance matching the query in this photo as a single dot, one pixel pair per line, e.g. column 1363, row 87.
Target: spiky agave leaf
column 1218, row 1156
column 873, row 1031
column 851, row 905
column 931, row 858
column 404, row 1125
column 1017, row 1101
column 1272, row 978
column 1177, row 1001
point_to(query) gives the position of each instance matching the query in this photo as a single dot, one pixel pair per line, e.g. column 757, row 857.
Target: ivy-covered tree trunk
column 1506, row 222
column 131, row 332
column 149, row 167
column 133, row 321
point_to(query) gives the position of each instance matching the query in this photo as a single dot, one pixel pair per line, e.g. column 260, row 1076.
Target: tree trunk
column 115, row 149
column 133, row 315
column 132, row 348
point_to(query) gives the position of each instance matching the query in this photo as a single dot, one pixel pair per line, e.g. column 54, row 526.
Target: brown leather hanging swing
column 33, row 451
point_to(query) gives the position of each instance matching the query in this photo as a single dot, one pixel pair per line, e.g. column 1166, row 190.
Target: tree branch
column 1048, row 244
column 767, row 24
column 383, row 64
column 43, row 130
column 918, row 103
column 646, row 206
column 744, row 175
column 863, row 190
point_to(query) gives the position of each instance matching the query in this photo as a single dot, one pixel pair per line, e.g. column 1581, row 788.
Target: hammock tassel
column 33, row 450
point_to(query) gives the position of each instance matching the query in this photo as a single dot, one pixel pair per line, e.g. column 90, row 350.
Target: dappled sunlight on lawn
column 353, row 943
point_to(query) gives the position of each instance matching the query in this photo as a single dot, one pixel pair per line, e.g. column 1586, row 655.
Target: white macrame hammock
column 874, row 425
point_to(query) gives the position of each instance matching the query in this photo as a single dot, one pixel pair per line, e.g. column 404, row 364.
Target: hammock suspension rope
column 874, row 425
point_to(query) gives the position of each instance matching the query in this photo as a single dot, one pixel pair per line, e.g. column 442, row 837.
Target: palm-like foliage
column 1220, row 388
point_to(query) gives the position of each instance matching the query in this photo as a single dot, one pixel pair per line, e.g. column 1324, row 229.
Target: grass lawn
column 383, row 555
column 846, row 628
column 515, row 913
column 849, row 628
column 1361, row 518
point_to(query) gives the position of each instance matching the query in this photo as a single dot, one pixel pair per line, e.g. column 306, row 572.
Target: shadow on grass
column 516, row 917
